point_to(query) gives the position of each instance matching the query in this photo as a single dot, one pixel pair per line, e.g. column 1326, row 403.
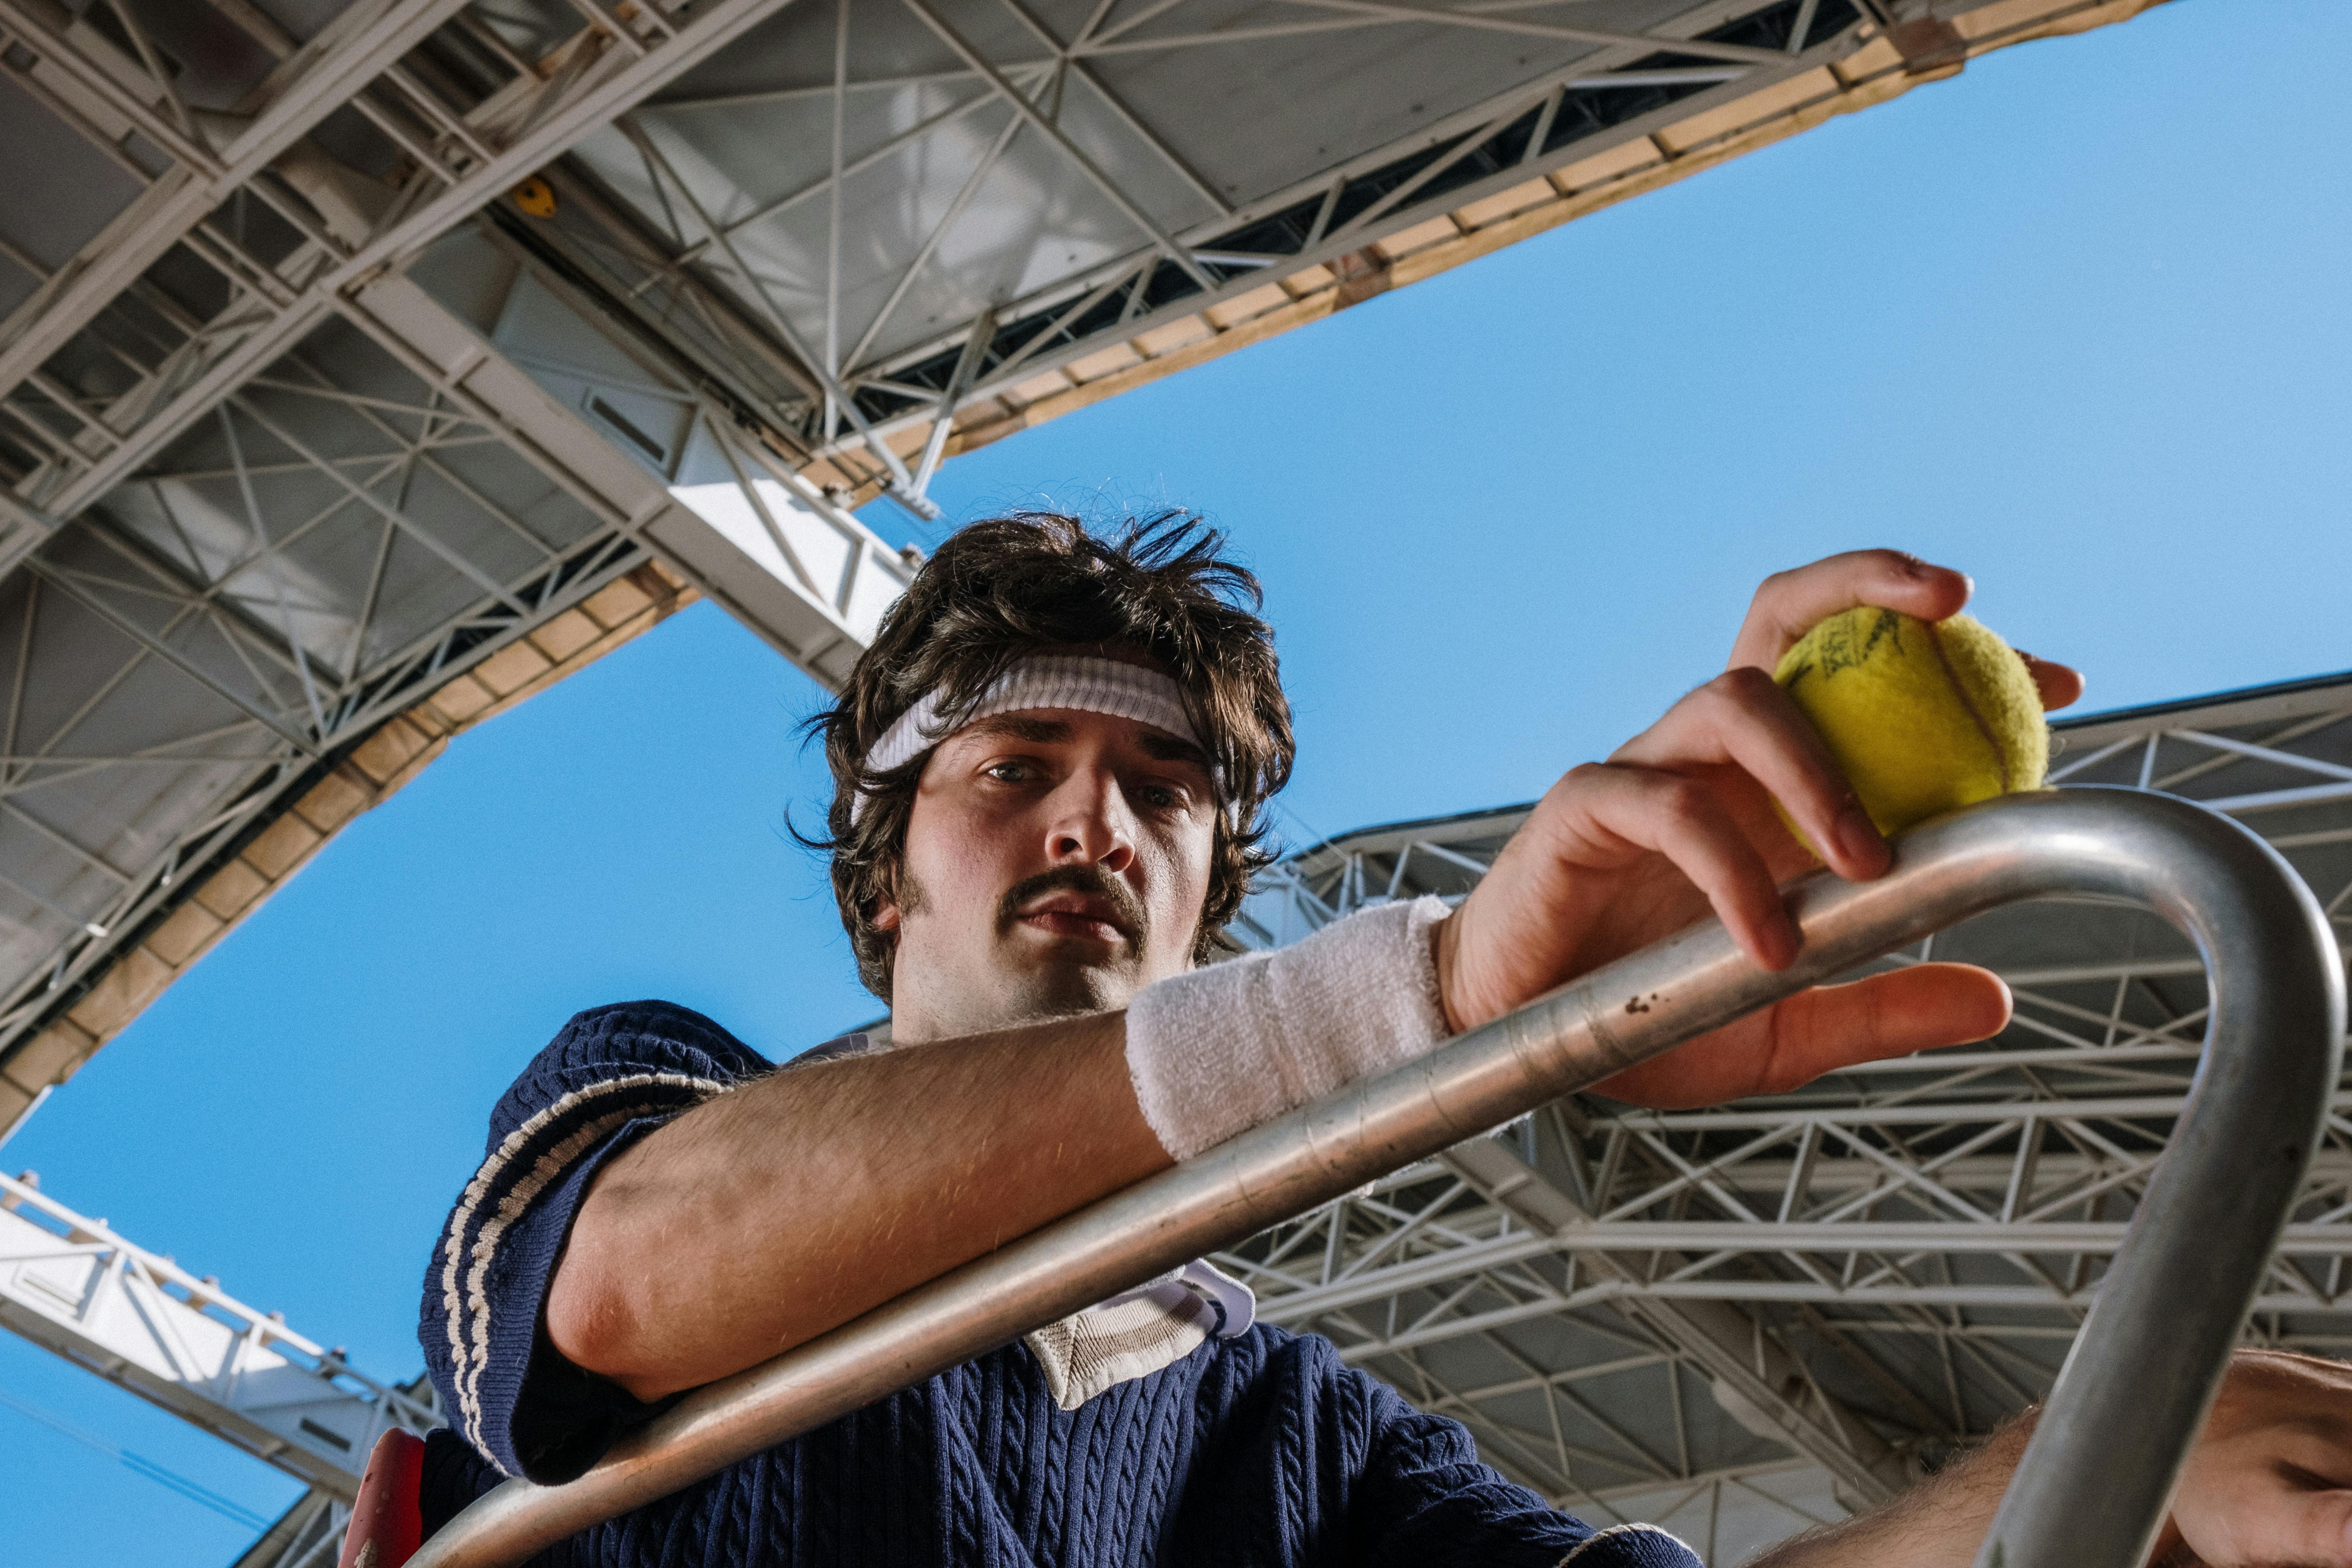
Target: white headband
column 1041, row 680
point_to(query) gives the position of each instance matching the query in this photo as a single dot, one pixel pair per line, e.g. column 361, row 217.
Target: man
column 1050, row 770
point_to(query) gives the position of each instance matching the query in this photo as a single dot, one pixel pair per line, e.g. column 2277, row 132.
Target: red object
column 386, row 1526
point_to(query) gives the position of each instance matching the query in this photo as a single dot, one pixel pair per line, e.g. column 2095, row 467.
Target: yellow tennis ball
column 1924, row 716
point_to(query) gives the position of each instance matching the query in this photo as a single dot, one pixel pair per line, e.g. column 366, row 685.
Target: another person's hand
column 2270, row 1481
column 1679, row 820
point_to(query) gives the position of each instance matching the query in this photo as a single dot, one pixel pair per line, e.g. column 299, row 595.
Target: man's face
column 1055, row 864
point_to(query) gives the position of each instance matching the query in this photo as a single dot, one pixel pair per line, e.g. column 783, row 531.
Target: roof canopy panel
column 996, row 156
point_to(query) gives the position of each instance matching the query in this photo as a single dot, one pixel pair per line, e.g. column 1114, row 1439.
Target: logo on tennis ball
column 1924, row 717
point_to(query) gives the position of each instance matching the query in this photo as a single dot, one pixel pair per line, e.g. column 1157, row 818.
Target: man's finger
column 2058, row 684
column 1740, row 719
column 1917, row 1009
column 1671, row 814
column 1792, row 604
column 1818, row 1031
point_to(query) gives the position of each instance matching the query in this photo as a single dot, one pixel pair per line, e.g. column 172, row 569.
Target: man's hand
column 1679, row 820
column 2271, row 1477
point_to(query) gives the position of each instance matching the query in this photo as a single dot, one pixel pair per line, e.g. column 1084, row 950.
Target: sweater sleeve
column 611, row 1076
column 1425, row 1498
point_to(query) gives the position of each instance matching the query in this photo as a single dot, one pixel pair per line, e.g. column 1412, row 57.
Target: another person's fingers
column 2270, row 1479
column 2058, row 684
column 2271, row 1519
column 1789, row 604
column 1816, row 1031
column 1740, row 719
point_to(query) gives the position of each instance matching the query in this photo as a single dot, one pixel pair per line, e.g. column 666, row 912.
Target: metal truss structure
column 960, row 219
column 1739, row 1320
column 135, row 1318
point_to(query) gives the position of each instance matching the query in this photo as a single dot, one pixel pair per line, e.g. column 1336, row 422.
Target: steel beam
column 73, row 1286
column 820, row 627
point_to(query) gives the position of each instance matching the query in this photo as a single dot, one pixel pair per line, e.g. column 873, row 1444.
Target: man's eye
column 1008, row 772
column 1162, row 798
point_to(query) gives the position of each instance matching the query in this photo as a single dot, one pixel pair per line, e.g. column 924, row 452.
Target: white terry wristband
column 1224, row 1048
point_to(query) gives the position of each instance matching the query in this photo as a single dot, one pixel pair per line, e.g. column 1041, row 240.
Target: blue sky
column 2076, row 321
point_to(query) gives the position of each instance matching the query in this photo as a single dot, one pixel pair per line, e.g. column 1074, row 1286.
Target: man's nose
column 1089, row 822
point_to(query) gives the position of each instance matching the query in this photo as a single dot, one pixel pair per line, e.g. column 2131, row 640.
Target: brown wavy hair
column 1038, row 581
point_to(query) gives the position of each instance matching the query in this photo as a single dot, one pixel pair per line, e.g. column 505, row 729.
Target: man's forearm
column 774, row 1212
column 1939, row 1523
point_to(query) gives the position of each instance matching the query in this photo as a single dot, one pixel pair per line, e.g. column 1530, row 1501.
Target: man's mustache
column 1128, row 912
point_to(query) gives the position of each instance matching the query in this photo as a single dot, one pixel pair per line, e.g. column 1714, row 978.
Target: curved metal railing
column 2095, row 1479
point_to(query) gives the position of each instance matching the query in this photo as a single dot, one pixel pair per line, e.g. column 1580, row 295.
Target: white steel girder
column 73, row 1286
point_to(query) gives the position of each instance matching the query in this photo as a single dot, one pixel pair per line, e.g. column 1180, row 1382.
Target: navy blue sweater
column 1264, row 1448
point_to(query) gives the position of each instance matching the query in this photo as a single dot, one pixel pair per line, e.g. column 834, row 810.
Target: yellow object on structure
column 1925, row 717
column 535, row 196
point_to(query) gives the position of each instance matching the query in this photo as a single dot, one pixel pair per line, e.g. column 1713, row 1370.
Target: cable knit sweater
column 1263, row 1449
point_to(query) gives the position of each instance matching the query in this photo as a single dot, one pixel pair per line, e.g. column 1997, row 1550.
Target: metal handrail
column 2096, row 1477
